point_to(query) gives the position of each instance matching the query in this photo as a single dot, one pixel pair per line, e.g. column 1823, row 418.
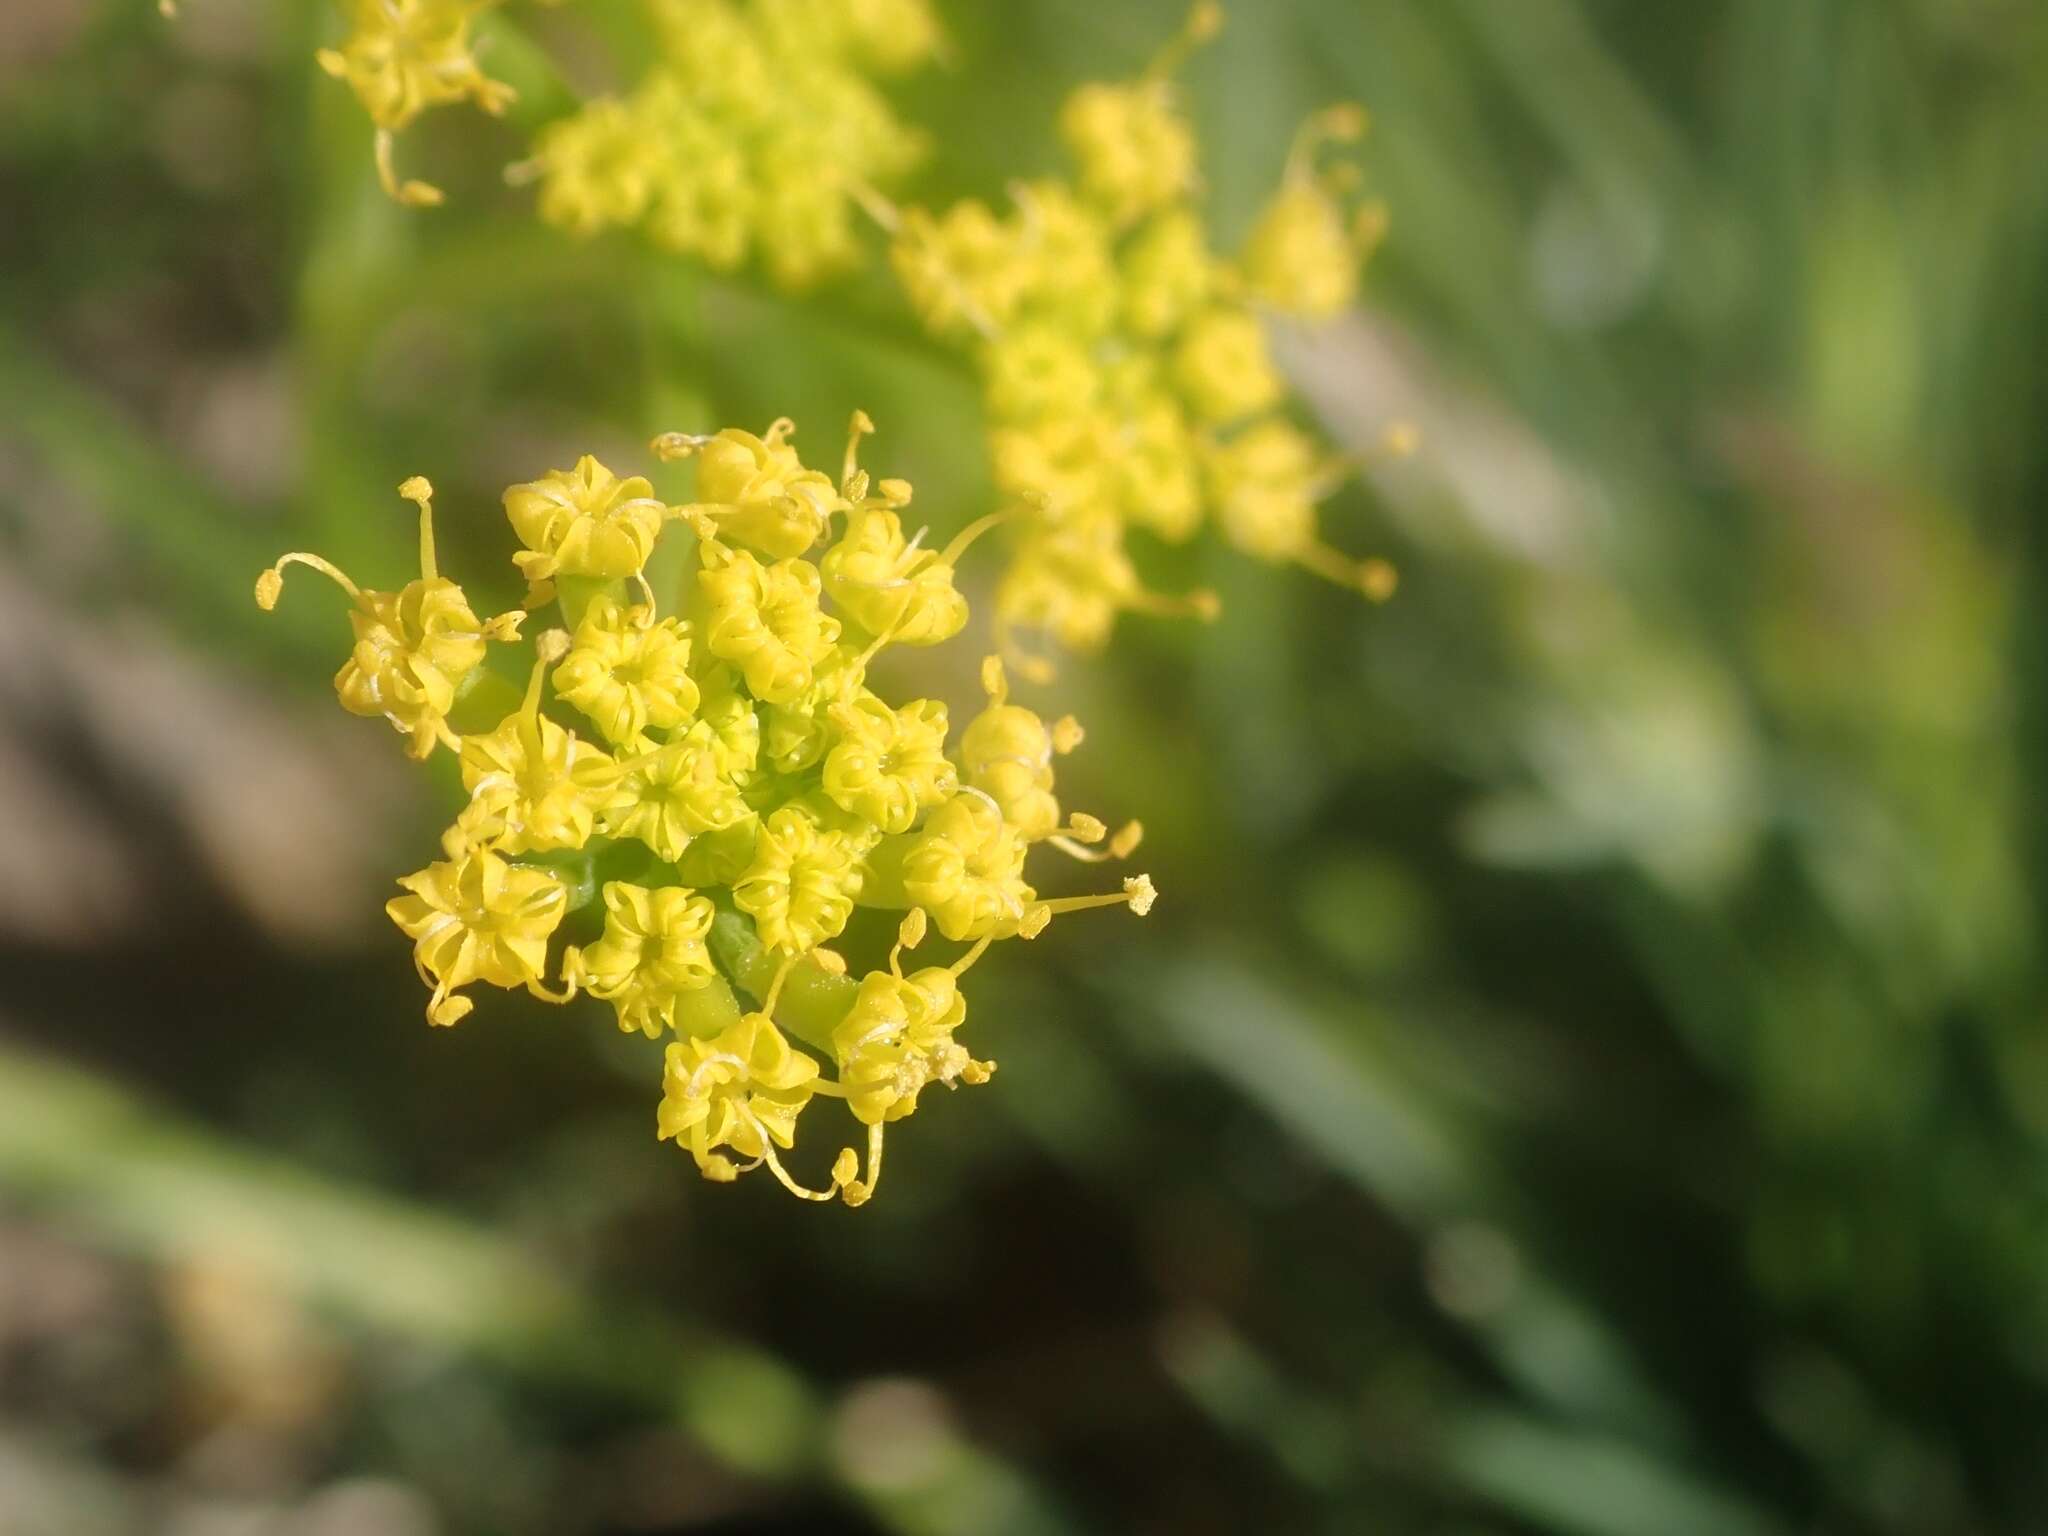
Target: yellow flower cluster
column 1125, row 363
column 753, row 133
column 402, row 57
column 697, row 804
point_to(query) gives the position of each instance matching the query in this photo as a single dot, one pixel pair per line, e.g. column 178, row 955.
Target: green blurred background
column 1588, row 1070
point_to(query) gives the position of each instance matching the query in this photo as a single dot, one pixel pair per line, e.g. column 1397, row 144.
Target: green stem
column 813, row 999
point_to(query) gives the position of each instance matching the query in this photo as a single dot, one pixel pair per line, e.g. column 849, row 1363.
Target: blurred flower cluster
column 1124, row 361
column 747, row 135
column 740, row 792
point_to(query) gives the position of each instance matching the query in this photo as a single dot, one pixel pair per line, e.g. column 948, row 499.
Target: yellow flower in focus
column 477, row 919
column 652, row 952
column 967, row 870
column 415, row 649
column 890, row 764
column 1006, row 752
column 757, row 492
column 548, row 785
column 584, row 521
column 800, row 889
column 743, row 1089
column 675, row 793
column 626, row 678
column 897, row 1039
column 771, row 788
column 765, row 619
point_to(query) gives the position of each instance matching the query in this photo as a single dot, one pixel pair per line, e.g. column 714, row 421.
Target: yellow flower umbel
column 1123, row 359
column 402, row 57
column 752, row 135
column 758, row 795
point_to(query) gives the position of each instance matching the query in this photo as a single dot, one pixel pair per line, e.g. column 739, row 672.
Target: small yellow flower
column 962, row 269
column 1265, row 481
column 598, row 168
column 742, row 1089
column 765, row 619
column 890, row 764
column 1035, row 371
column 1136, row 153
column 675, row 793
column 1303, row 255
column 1167, row 273
column 627, row 677
column 724, row 706
column 477, row 919
column 1006, row 752
column 967, row 870
column 415, row 649
column 897, row 1039
column 652, row 952
column 800, row 889
column 1223, row 368
column 756, row 491
column 584, row 521
column 547, row 784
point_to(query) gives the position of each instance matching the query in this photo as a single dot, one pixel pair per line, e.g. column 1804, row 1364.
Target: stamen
column 961, row 966
column 270, row 585
column 775, row 1164
column 909, row 934
column 418, row 491
column 1067, row 734
column 412, row 194
column 775, row 987
column 1138, row 894
column 861, row 425
column 1205, row 20
column 965, row 538
column 857, row 1192
column 1201, row 604
column 1375, row 577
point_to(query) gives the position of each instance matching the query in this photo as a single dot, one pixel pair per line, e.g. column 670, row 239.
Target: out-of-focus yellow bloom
column 602, row 165
column 402, row 57
column 1223, row 368
column 478, row 919
column 415, row 649
column 1135, row 152
column 628, row 678
column 754, row 132
column 652, row 952
column 761, row 793
column 1119, row 352
column 1304, row 255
